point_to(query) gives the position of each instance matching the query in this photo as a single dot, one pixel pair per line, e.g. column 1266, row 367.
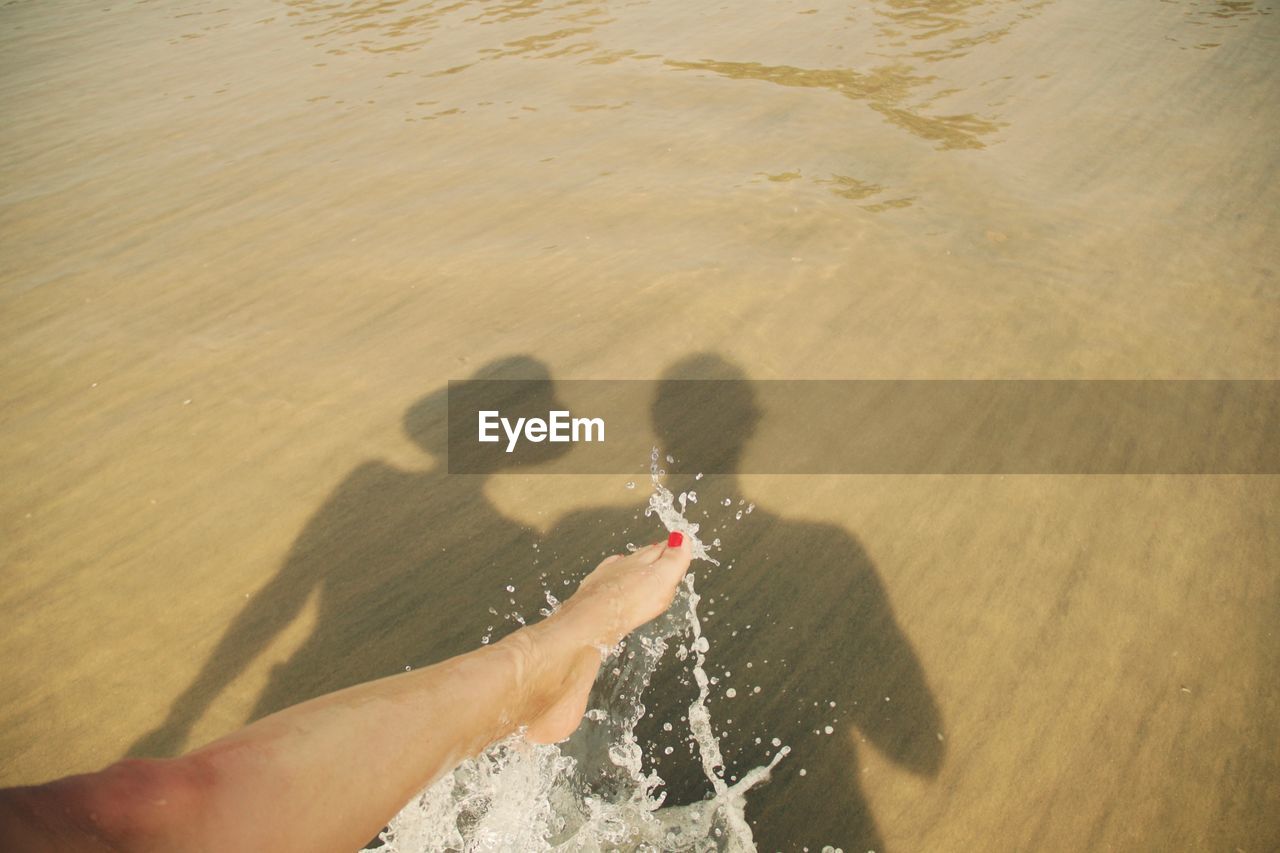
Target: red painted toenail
column 675, row 540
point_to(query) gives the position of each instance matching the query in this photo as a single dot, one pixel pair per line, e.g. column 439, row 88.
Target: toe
column 675, row 558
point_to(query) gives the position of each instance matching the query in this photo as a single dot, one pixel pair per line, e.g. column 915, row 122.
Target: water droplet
column 543, row 766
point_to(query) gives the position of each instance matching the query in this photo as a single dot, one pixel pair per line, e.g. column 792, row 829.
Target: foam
column 593, row 792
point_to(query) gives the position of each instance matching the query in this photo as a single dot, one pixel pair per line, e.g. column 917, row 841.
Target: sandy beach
column 245, row 245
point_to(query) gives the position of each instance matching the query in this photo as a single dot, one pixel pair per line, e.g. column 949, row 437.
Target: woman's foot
column 620, row 595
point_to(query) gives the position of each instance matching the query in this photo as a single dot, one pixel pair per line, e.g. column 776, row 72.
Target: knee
column 142, row 804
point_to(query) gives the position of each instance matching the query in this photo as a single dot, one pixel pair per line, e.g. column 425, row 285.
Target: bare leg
column 329, row 773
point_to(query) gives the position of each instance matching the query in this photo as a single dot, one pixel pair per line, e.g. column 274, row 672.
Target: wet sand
column 240, row 241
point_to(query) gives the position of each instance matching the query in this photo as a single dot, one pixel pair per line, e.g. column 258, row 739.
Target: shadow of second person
column 805, row 647
column 404, row 566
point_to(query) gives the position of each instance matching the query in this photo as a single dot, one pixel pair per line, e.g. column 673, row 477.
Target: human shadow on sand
column 404, row 565
column 801, row 629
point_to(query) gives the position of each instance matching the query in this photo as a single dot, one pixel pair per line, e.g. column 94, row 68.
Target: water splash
column 593, row 792
column 662, row 503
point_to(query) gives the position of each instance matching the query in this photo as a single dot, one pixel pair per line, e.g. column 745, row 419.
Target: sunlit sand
column 243, row 243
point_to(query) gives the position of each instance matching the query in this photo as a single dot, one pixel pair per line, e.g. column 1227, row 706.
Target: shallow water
column 598, row 790
column 241, row 241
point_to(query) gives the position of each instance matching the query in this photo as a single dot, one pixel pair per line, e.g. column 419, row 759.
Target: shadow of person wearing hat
column 403, row 564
